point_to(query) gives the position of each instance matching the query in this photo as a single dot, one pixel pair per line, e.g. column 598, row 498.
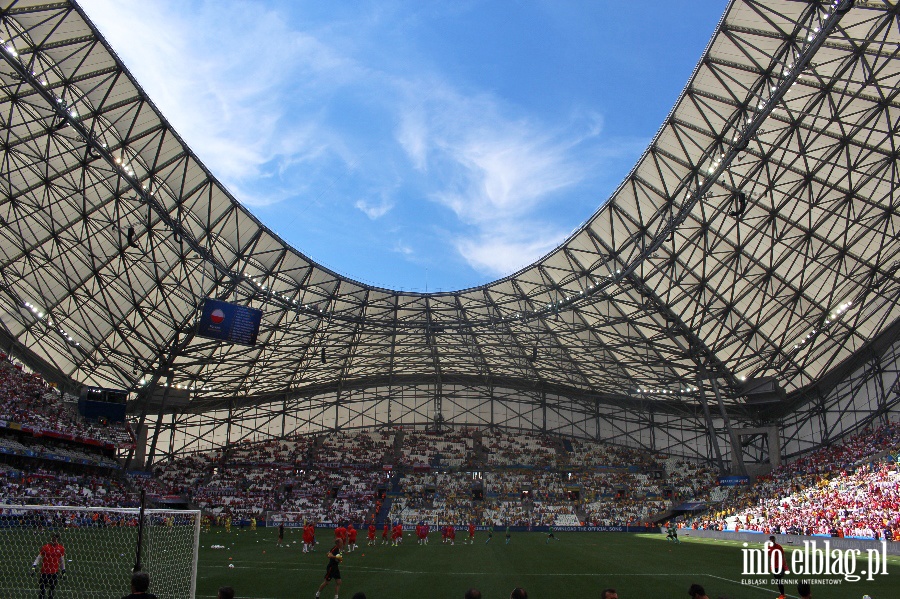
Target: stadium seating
column 847, row 489
column 851, row 489
column 54, row 486
column 519, row 449
column 28, row 403
column 436, row 450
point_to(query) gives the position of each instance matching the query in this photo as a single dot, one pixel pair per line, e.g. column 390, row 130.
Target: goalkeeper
column 333, row 570
column 52, row 563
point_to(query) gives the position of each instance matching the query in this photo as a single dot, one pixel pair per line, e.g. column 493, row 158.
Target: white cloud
column 375, row 211
column 508, row 164
column 412, row 136
column 402, row 248
column 254, row 98
column 505, row 250
column 496, row 173
column 226, row 87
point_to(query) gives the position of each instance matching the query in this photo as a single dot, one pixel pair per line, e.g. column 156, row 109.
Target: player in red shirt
column 777, row 563
column 384, row 533
column 52, row 560
column 472, row 533
column 341, row 533
column 351, row 537
column 421, row 533
column 444, row 533
column 371, row 536
column 451, row 534
column 308, row 536
column 425, row 530
column 397, row 535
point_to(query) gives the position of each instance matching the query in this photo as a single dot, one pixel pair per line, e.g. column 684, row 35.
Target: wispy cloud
column 496, row 173
column 506, row 249
column 402, row 248
column 280, row 113
column 226, row 87
column 375, row 211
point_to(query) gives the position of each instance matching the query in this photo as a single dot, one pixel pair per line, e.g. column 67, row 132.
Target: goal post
column 100, row 545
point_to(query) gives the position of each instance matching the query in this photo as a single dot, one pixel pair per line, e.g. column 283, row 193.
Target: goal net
column 100, row 551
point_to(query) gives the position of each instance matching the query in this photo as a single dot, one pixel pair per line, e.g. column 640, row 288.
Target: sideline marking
column 430, row 572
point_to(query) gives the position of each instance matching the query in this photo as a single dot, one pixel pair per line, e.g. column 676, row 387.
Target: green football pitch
column 579, row 565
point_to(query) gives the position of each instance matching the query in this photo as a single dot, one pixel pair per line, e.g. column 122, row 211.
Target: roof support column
column 491, row 401
column 159, row 417
column 737, row 459
column 172, row 437
column 544, row 411
column 710, row 429
column 228, row 427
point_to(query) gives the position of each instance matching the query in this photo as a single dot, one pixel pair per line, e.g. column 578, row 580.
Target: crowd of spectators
column 21, row 445
column 28, row 401
column 451, row 449
column 520, row 449
column 51, row 454
column 490, row 477
column 181, row 475
column 49, row 485
column 602, row 455
column 355, row 447
column 851, row 489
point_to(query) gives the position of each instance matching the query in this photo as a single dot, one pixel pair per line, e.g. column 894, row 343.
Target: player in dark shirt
column 333, row 571
column 140, row 582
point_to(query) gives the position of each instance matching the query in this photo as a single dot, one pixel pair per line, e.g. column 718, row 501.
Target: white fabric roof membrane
column 758, row 234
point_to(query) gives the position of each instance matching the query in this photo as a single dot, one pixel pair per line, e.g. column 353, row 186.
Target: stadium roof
column 757, row 236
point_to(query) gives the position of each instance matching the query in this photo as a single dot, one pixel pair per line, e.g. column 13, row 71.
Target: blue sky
column 414, row 145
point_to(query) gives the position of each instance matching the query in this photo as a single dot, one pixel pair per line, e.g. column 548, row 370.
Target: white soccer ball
column 231, row 565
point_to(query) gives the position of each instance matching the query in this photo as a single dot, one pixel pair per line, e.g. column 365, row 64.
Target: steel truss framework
column 757, row 236
column 866, row 395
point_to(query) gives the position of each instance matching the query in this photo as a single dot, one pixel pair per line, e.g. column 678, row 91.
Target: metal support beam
column 710, row 429
column 159, row 417
column 737, row 457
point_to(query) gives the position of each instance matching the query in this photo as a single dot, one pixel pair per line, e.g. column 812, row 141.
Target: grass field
column 579, row 565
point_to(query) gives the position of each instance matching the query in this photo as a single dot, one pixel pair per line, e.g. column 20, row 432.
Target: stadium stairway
column 383, row 512
column 395, row 483
column 579, row 511
column 398, row 446
column 660, row 517
column 480, row 452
